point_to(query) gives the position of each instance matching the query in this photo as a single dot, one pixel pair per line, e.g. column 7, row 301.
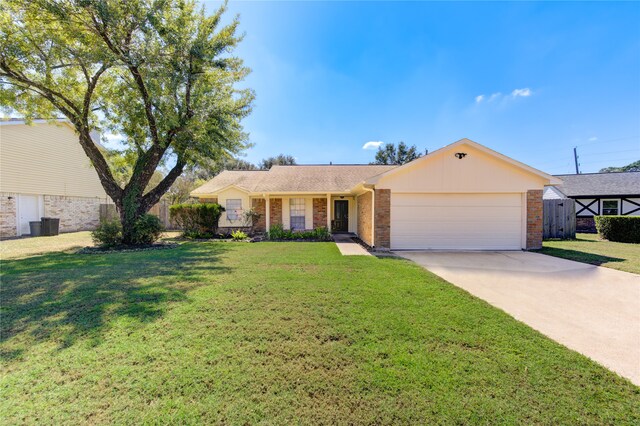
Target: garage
column 464, row 196
column 456, row 221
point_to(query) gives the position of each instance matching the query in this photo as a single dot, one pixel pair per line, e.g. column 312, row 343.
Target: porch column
column 329, row 212
column 267, row 212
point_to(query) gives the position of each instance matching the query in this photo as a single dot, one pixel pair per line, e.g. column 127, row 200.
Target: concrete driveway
column 590, row 309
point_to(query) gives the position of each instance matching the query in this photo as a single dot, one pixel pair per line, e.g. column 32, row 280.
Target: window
column 233, row 207
column 610, row 207
column 296, row 209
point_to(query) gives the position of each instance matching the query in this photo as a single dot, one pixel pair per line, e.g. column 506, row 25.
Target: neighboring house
column 598, row 194
column 462, row 196
column 45, row 172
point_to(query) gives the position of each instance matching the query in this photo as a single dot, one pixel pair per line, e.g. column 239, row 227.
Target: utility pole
column 575, row 159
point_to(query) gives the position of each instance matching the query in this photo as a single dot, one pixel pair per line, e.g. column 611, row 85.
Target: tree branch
column 153, row 196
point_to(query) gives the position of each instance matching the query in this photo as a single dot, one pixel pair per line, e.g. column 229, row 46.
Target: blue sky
column 531, row 80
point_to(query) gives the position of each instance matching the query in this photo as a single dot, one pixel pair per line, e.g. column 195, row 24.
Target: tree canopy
column 160, row 73
column 278, row 160
column 632, row 167
column 392, row 154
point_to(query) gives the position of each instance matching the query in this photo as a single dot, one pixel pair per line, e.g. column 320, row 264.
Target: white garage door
column 456, row 221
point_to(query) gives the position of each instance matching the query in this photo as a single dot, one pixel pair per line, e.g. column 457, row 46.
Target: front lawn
column 588, row 248
column 280, row 333
column 31, row 246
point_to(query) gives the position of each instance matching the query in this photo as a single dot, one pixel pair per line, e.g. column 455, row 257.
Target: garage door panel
column 456, row 221
column 479, row 213
column 455, row 200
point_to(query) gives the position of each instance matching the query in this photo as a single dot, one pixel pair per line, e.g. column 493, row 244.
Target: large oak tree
column 159, row 72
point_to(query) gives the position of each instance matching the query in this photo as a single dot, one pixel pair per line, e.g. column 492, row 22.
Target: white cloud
column 372, row 145
column 494, row 96
column 479, row 98
column 593, row 139
column 521, row 92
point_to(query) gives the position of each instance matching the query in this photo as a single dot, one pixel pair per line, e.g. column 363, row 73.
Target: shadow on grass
column 580, row 256
column 63, row 297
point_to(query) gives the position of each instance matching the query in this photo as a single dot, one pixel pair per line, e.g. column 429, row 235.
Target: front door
column 341, row 216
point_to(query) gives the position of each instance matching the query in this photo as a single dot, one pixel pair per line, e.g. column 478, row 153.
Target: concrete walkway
column 348, row 247
column 590, row 309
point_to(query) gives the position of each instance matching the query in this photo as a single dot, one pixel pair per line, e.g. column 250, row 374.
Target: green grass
column 588, row 248
column 25, row 247
column 278, row 333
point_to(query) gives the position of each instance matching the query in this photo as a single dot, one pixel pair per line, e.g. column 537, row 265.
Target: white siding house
column 45, row 172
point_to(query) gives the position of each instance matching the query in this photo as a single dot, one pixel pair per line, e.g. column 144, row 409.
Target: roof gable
column 462, row 143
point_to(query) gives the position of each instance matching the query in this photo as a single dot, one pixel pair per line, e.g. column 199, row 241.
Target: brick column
column 534, row 219
column 258, row 206
column 382, row 222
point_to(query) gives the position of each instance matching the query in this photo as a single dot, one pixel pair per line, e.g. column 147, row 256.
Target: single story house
column 45, row 172
column 464, row 196
column 598, row 194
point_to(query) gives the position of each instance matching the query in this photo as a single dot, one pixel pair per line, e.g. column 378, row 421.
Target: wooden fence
column 559, row 219
column 109, row 212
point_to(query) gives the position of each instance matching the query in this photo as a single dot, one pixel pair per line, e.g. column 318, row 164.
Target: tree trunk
column 130, row 208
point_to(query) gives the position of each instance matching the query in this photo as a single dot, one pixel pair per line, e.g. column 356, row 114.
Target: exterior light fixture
column 460, row 155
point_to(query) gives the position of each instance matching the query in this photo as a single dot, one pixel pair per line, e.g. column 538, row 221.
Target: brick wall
column 319, row 212
column 534, row 219
column 259, row 206
column 75, row 213
column 275, row 209
column 585, row 224
column 8, row 206
column 382, row 220
column 208, row 200
column 364, row 217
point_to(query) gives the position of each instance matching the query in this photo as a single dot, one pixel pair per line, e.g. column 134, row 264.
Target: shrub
column 250, row 219
column 147, row 229
column 277, row 232
column 622, row 229
column 322, row 234
column 238, row 235
column 108, row 233
column 197, row 220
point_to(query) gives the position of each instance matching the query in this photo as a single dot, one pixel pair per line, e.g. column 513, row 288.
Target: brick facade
column 75, row 213
column 275, row 209
column 208, row 200
column 319, row 212
column 259, row 206
column 382, row 222
column 8, row 208
column 534, row 219
column 364, row 217
column 585, row 224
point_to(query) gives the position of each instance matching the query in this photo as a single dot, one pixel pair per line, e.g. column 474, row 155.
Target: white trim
column 267, row 212
column 328, row 212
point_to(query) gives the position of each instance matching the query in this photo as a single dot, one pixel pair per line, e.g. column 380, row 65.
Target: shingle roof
column 592, row 184
column 329, row 178
column 245, row 179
